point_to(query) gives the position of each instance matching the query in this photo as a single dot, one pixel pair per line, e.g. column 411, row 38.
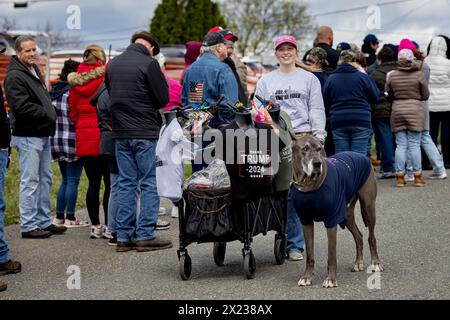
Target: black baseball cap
column 213, row 38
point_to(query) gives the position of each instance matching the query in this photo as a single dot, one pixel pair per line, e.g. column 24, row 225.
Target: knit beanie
column 406, row 44
column 406, row 54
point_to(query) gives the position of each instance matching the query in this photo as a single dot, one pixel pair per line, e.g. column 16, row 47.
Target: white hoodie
column 440, row 76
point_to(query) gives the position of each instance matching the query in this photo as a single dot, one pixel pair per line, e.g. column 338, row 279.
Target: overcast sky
column 112, row 22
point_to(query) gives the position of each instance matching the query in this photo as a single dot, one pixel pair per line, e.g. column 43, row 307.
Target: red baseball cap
column 227, row 34
column 285, row 39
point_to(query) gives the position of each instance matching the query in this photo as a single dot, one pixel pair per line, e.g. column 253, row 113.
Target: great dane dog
column 327, row 189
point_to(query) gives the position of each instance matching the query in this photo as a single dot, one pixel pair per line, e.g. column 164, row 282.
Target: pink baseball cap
column 285, row 39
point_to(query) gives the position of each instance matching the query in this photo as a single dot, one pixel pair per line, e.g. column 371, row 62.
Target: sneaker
column 58, row 222
column 97, row 231
column 10, row 267
column 162, row 225
column 36, row 234
column 295, row 256
column 55, row 229
column 75, row 223
column 156, row 243
column 174, row 213
column 386, row 175
column 107, row 234
column 162, row 211
column 113, row 240
column 438, row 176
column 409, row 177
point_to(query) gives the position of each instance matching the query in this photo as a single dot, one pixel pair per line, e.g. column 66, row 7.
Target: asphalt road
column 413, row 233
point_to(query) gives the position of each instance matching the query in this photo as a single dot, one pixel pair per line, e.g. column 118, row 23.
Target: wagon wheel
column 249, row 264
column 185, row 266
column 219, row 252
column 279, row 249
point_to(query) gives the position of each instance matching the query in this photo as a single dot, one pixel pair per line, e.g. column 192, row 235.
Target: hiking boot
column 10, row 267
column 55, row 230
column 295, row 255
column 438, row 176
column 418, row 180
column 156, row 243
column 162, row 225
column 125, row 246
column 36, row 234
column 400, row 176
column 3, row 286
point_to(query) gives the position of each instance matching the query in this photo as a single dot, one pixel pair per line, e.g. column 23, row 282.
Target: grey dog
column 327, row 189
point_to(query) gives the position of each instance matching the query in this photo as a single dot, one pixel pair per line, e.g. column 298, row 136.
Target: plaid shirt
column 63, row 142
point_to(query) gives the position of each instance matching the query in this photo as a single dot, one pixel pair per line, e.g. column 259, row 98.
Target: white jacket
column 440, row 76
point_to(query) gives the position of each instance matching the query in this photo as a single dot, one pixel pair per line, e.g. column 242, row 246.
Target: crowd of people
column 105, row 117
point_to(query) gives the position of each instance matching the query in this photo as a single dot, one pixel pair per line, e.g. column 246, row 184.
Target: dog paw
column 377, row 267
column 357, row 267
column 304, row 282
column 328, row 283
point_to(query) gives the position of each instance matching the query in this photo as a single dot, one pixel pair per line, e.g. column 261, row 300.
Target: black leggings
column 95, row 168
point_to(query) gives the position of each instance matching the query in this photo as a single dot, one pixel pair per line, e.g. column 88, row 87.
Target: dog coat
column 346, row 173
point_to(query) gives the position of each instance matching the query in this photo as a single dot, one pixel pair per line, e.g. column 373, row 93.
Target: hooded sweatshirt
column 440, row 75
column 84, row 84
column 191, row 55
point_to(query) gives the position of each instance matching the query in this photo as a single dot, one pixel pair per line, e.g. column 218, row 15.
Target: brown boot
column 400, row 176
column 418, row 180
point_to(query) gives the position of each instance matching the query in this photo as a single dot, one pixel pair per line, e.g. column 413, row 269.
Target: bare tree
column 7, row 24
column 258, row 22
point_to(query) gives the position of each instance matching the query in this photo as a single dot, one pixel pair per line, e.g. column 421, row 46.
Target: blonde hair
column 94, row 53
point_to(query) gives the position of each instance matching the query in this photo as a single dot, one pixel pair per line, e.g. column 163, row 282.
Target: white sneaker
column 97, row 231
column 409, row 177
column 76, row 223
column 107, row 234
column 58, row 222
column 438, row 176
column 162, row 211
column 174, row 213
column 162, row 225
column 295, row 256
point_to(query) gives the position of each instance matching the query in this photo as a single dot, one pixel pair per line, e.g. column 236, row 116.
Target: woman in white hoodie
column 438, row 60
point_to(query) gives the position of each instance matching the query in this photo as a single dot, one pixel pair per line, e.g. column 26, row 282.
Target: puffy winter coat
column 408, row 87
column 84, row 84
column 440, row 75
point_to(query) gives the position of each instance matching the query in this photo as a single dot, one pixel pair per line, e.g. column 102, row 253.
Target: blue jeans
column 351, row 139
column 294, row 229
column 68, row 191
column 385, row 141
column 137, row 167
column 35, row 181
column 4, row 251
column 113, row 202
column 432, row 152
column 408, row 147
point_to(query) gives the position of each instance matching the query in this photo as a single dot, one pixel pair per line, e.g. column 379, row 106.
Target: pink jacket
column 174, row 94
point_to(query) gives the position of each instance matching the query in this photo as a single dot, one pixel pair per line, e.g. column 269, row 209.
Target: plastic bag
column 215, row 176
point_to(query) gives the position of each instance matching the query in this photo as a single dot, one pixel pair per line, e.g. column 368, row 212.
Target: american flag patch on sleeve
column 196, row 91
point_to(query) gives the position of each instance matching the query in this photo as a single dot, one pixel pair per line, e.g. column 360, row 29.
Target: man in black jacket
column 6, row 264
column 324, row 38
column 138, row 89
column 33, row 122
